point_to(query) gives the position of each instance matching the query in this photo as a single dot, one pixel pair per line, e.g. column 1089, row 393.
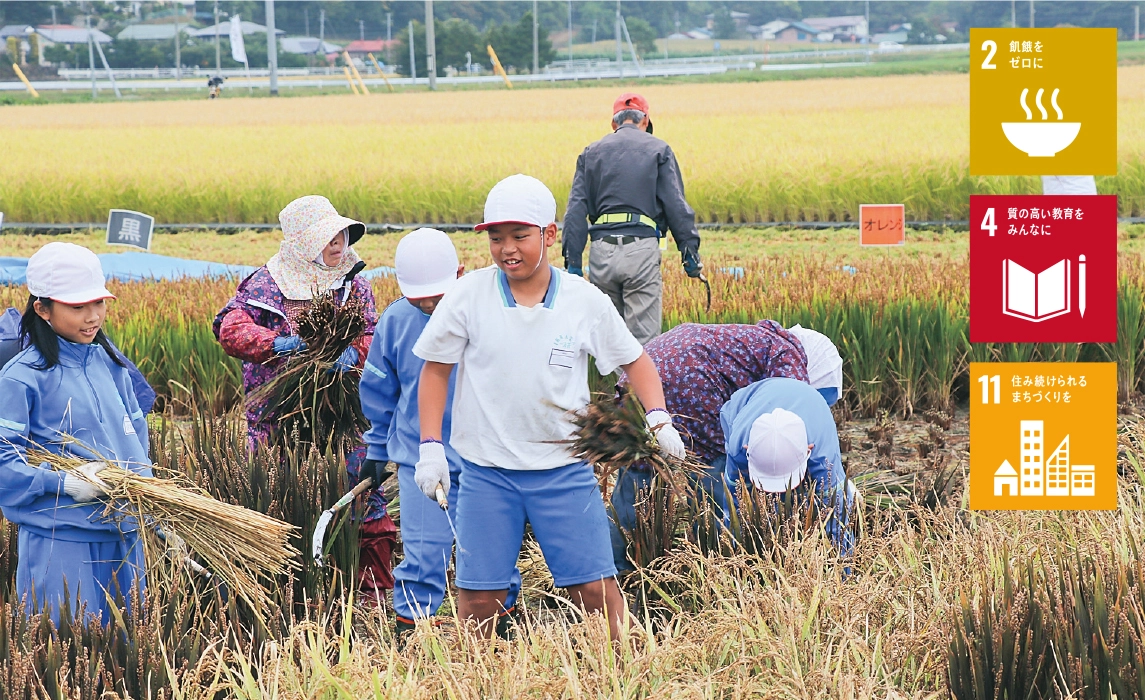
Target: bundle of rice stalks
column 613, row 435
column 309, row 395
column 237, row 545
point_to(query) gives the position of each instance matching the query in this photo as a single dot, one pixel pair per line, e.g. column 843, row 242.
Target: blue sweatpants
column 91, row 570
column 630, row 482
column 564, row 507
column 427, row 541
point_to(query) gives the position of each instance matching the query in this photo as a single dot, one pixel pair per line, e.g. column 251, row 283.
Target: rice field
column 938, row 601
column 782, row 151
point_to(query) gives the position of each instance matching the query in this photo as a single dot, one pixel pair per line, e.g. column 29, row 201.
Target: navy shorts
column 563, row 505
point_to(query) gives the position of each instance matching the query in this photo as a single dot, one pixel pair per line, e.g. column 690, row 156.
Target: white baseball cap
column 427, row 263
column 777, row 451
column 824, row 365
column 519, row 199
column 67, row 273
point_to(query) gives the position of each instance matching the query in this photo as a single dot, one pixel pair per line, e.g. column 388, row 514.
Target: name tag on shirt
column 128, row 428
column 561, row 358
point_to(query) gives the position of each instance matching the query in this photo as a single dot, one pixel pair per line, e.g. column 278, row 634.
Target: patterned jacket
column 702, row 365
column 247, row 326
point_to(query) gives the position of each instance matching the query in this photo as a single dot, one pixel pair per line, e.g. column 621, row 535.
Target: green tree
column 453, row 38
column 642, row 34
column 725, row 26
column 514, row 44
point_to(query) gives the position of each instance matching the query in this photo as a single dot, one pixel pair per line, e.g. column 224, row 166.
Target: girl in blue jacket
column 69, row 383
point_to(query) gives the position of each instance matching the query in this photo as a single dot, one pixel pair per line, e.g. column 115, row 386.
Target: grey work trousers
column 629, row 274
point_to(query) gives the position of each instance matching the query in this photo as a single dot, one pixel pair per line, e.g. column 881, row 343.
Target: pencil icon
column 1081, row 284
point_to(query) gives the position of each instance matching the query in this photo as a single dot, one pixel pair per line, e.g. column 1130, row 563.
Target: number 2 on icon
column 992, row 48
column 985, row 381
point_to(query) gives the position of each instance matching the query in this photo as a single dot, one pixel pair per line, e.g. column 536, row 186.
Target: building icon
column 1083, row 482
column 1006, row 478
column 1041, row 476
column 1032, row 459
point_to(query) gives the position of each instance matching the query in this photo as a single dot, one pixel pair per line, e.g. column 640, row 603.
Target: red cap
column 630, row 100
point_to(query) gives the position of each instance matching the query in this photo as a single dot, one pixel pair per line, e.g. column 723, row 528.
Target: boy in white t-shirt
column 521, row 333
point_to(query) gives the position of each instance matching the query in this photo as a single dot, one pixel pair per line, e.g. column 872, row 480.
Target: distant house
column 68, row 35
column 789, row 32
column 846, row 28
column 153, row 32
column 699, row 33
column 359, row 48
column 307, row 45
column 224, row 30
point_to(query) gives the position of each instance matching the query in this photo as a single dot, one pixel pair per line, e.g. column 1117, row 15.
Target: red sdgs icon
column 1043, row 269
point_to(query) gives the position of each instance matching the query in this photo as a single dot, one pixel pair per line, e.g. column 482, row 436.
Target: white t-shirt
column 521, row 371
column 1069, row 184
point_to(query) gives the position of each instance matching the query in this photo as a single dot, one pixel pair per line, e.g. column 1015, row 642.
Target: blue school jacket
column 389, row 389
column 87, row 397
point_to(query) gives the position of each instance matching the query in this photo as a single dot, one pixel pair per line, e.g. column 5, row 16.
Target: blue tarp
column 148, row 266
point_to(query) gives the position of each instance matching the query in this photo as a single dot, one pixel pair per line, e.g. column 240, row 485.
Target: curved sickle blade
column 319, row 537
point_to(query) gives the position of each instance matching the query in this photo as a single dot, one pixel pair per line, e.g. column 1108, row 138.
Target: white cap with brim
column 66, row 273
column 426, row 262
column 824, row 364
column 777, row 451
column 519, row 199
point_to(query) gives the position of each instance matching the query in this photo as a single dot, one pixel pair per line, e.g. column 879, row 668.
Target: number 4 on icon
column 985, row 381
column 988, row 222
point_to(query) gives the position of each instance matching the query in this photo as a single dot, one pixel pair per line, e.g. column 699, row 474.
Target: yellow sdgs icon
column 1043, row 101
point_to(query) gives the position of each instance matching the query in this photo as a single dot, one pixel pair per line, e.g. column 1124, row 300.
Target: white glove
column 668, row 442
column 432, row 469
column 176, row 547
column 82, row 490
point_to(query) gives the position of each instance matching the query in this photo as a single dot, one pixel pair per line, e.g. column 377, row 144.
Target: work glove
column 81, row 489
column 286, row 344
column 347, row 361
column 376, row 469
column 176, row 547
column 432, row 469
column 668, row 441
column 690, row 255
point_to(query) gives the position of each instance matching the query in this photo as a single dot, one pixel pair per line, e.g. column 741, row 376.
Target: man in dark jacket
column 626, row 194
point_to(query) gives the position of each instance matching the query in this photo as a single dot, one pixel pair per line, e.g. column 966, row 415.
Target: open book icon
column 1036, row 297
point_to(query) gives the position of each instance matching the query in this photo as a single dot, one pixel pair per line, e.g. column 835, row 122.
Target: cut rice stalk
column 614, row 435
column 237, row 545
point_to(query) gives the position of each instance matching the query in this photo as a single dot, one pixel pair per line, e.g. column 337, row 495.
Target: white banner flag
column 238, row 49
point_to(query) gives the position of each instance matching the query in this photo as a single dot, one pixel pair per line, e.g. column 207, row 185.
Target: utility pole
column 305, row 18
column 536, row 67
column 1136, row 23
column 412, row 62
column 1031, row 14
column 570, row 31
column 867, row 12
column 218, row 53
column 53, row 14
column 619, row 55
column 1014, row 13
column 389, row 36
column 91, row 57
column 322, row 34
column 271, row 48
column 362, row 30
column 430, row 46
column 178, row 57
